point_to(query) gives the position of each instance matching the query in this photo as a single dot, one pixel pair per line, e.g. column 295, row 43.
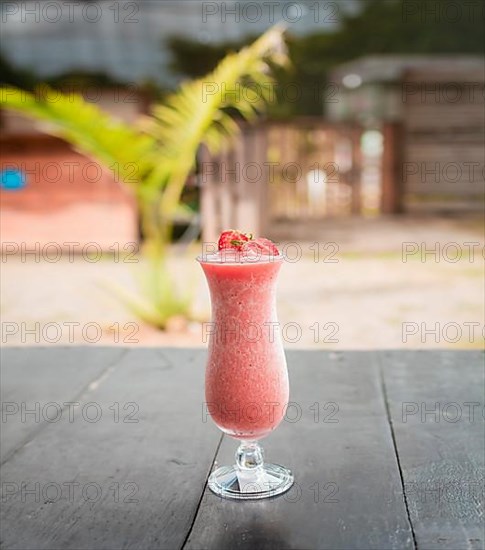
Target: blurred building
column 126, row 40
column 432, row 108
column 401, row 133
column 51, row 193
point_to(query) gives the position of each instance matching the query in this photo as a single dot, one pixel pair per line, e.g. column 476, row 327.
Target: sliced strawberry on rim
column 232, row 239
column 260, row 246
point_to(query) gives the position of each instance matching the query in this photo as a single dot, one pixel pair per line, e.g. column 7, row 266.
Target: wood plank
column 442, row 455
column 261, row 189
column 208, row 196
column 148, row 475
column 445, row 168
column 46, row 375
column 392, row 165
column 348, row 492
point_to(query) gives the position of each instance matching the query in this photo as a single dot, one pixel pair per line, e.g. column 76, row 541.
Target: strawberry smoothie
column 246, row 378
column 246, row 384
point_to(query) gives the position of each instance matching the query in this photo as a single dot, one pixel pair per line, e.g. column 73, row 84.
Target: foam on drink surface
column 232, row 256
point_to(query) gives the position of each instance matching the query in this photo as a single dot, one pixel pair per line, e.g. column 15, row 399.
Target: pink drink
column 246, row 378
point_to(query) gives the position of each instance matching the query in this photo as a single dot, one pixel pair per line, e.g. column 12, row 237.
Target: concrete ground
column 360, row 284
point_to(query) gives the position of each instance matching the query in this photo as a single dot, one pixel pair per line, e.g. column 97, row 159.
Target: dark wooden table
column 110, row 448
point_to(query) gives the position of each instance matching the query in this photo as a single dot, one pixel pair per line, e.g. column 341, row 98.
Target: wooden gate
column 316, row 168
column 297, row 171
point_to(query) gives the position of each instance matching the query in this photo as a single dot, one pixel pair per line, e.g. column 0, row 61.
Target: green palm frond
column 202, row 111
column 86, row 127
column 163, row 148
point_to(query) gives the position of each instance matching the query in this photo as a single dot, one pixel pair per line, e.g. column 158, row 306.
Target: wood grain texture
column 142, row 481
column 135, row 478
column 348, row 491
column 44, row 375
column 440, row 442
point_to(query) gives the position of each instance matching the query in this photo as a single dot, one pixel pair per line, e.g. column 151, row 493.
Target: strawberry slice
column 260, row 246
column 232, row 239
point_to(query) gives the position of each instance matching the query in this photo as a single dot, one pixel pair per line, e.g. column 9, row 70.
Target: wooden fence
column 298, row 171
column 443, row 138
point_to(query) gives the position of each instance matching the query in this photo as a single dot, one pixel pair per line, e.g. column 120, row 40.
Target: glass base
column 270, row 480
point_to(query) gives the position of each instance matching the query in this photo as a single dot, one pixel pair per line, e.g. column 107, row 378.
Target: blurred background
column 360, row 151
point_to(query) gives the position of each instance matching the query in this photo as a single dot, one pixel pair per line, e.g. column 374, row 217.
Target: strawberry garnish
column 246, row 244
column 260, row 246
column 232, row 239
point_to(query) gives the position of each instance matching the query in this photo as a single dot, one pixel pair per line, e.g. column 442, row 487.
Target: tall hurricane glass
column 246, row 383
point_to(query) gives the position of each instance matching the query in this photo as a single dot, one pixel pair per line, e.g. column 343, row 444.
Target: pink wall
column 67, row 197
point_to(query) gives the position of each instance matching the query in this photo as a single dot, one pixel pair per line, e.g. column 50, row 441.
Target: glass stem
column 249, row 458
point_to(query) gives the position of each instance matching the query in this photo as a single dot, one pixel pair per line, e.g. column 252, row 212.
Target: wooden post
column 243, row 202
column 251, row 190
column 392, row 162
column 261, row 188
column 225, row 187
column 208, row 197
column 356, row 172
